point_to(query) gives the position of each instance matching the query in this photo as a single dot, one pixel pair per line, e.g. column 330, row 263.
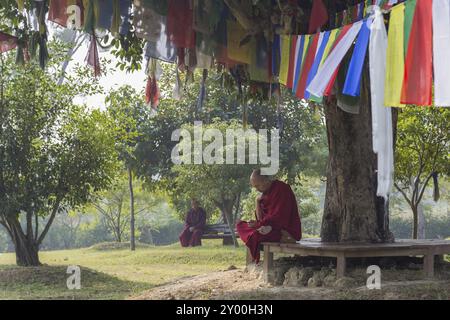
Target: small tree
column 110, row 206
column 53, row 155
column 421, row 154
column 127, row 108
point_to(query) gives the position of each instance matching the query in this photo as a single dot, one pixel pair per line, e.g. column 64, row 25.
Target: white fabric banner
column 297, row 48
column 383, row 140
column 326, row 71
column 319, row 43
column 441, row 52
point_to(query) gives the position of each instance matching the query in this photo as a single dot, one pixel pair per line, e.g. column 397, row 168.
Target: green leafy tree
column 53, row 155
column 421, row 154
column 220, row 185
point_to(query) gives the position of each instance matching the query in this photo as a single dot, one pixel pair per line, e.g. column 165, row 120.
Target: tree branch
column 5, row 225
column 424, row 187
column 30, row 235
column 36, row 226
column 403, row 194
column 50, row 221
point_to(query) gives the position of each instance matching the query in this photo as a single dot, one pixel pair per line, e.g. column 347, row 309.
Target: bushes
column 435, row 227
column 164, row 235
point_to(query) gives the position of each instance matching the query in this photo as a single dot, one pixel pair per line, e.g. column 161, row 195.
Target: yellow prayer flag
column 285, row 55
column 333, row 35
column 305, row 47
column 395, row 61
column 235, row 35
column 20, row 5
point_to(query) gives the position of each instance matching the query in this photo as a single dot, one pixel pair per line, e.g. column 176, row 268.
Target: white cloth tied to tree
column 383, row 141
column 441, row 49
column 322, row 79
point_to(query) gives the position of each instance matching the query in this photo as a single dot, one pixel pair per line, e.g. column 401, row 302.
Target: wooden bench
column 313, row 247
column 218, row 231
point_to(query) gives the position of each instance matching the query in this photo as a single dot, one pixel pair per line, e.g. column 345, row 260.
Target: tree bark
column 415, row 229
column 226, row 207
column 352, row 211
column 420, row 222
column 132, row 231
column 27, row 250
column 27, row 255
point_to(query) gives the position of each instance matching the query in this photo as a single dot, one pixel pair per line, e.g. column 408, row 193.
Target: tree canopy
column 53, row 154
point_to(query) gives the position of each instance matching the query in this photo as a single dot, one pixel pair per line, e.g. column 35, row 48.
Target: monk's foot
column 255, row 269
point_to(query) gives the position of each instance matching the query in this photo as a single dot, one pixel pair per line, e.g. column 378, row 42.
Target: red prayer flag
column 92, row 58
column 180, row 21
column 152, row 92
column 57, row 12
column 309, row 60
column 319, row 16
column 290, row 80
column 7, row 42
column 418, row 77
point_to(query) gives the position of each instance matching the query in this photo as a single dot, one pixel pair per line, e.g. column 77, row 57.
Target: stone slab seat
column 341, row 251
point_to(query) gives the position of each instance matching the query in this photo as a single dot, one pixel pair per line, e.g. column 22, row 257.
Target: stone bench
column 218, row 231
column 429, row 249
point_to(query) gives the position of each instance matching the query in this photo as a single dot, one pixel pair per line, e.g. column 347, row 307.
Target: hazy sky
column 114, row 80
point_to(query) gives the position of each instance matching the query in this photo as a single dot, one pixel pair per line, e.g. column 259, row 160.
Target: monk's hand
column 191, row 229
column 264, row 230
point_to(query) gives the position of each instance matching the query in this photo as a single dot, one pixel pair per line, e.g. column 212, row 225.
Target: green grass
column 115, row 273
column 112, row 271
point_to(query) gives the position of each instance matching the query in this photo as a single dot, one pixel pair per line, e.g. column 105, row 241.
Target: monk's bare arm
column 258, row 211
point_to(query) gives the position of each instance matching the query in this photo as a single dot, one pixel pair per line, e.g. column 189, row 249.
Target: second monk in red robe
column 191, row 236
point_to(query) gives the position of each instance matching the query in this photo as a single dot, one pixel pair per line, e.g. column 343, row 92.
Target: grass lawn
column 112, row 273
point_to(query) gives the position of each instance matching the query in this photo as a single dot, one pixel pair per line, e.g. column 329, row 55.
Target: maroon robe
column 280, row 211
column 196, row 219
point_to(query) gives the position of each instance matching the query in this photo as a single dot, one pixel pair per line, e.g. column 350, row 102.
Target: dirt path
column 239, row 284
column 233, row 284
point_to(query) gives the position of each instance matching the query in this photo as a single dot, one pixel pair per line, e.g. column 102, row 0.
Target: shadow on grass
column 50, row 282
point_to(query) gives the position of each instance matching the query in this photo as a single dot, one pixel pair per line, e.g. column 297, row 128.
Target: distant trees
column 422, row 155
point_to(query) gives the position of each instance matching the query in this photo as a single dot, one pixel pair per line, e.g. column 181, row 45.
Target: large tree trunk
column 27, row 255
column 27, row 250
column 352, row 211
column 226, row 207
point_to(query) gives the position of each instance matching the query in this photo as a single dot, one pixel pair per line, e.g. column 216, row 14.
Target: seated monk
column 191, row 236
column 277, row 215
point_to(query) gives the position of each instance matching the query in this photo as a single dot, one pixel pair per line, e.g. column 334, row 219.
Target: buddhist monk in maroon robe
column 193, row 227
column 277, row 215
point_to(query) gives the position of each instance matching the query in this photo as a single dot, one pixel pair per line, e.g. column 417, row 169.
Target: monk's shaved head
column 194, row 203
column 259, row 181
column 257, row 176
